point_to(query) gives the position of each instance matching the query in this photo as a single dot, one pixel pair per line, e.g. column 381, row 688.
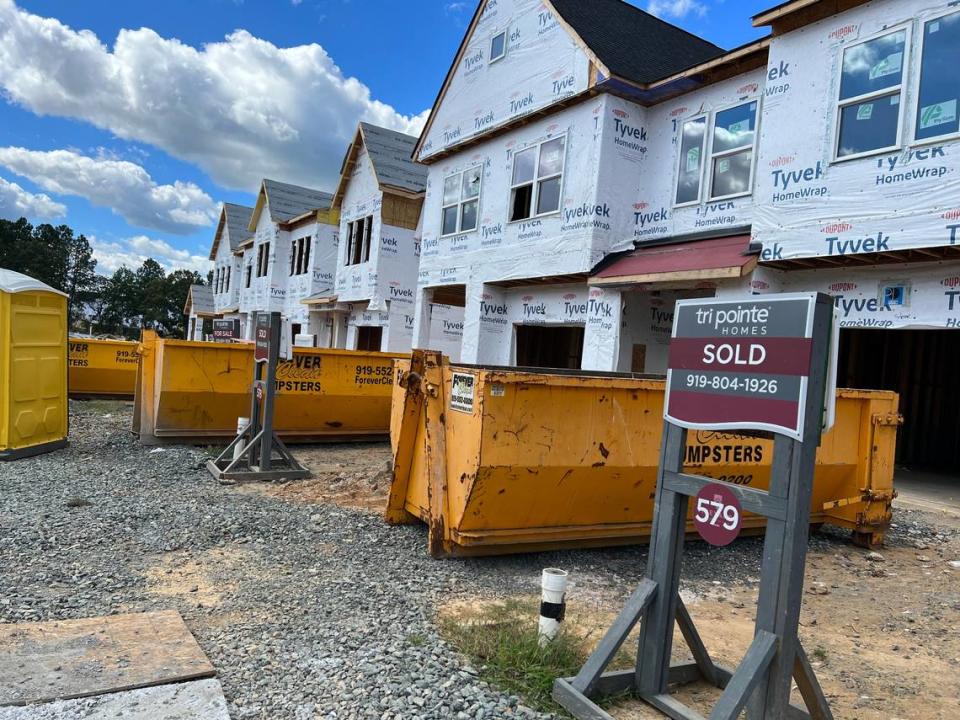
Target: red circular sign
column 717, row 514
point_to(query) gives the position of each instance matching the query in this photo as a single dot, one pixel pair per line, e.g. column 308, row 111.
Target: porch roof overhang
column 694, row 261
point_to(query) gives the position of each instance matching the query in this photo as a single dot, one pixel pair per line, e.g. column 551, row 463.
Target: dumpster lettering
column 78, row 355
column 373, row 375
column 301, row 374
column 127, row 357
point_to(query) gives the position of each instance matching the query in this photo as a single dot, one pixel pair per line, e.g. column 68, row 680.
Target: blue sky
column 132, row 121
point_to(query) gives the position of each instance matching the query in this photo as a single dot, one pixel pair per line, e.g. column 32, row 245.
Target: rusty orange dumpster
column 195, row 391
column 499, row 460
column 102, row 368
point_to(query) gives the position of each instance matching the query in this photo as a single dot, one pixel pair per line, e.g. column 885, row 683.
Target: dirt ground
column 354, row 475
column 882, row 631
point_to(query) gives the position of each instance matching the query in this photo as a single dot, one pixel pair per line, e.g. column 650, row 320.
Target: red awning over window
column 713, row 259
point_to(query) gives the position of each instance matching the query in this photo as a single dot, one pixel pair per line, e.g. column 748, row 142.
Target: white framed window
column 870, row 95
column 358, row 240
column 498, row 46
column 937, row 115
column 536, row 182
column 733, row 138
column 693, row 141
column 461, row 201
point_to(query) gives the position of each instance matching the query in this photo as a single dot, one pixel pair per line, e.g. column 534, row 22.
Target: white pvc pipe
column 553, row 591
column 242, row 423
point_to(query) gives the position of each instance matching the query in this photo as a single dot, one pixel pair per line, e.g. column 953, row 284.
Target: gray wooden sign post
column 262, row 455
column 760, row 364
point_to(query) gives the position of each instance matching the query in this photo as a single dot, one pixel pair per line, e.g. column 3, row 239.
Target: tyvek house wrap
column 542, row 64
column 812, row 206
column 923, row 295
column 640, row 162
column 319, row 278
column 386, row 281
column 263, row 295
column 618, row 185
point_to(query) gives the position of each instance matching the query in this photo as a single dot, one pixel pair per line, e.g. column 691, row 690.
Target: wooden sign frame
column 762, row 682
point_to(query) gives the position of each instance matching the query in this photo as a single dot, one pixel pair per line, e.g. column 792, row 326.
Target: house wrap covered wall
column 227, row 257
column 378, row 198
column 612, row 161
column 855, row 185
column 289, row 257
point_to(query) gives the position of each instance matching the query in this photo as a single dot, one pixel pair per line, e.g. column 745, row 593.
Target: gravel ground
column 307, row 611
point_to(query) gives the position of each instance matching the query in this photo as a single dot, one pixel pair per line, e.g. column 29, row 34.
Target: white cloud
column 240, row 109
column 124, row 187
column 678, row 9
column 131, row 252
column 15, row 203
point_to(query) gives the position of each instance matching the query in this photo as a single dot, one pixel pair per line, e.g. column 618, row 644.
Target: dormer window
column 498, row 46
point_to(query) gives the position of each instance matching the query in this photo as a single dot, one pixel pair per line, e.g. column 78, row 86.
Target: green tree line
column 120, row 304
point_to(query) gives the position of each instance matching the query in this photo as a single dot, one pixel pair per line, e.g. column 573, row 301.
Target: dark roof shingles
column 238, row 218
column 201, row 298
column 289, row 201
column 634, row 44
column 390, row 153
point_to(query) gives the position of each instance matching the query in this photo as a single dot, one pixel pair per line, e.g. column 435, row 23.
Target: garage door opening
column 920, row 365
column 541, row 346
column 369, row 338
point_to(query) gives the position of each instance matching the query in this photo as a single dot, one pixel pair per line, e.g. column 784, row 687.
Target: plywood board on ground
column 194, row 700
column 78, row 658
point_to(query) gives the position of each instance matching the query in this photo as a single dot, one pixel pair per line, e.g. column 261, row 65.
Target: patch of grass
column 819, row 653
column 502, row 642
column 416, row 639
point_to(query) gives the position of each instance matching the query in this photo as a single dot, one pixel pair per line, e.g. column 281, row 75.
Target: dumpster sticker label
column 498, row 390
column 717, row 514
column 461, row 392
column 741, row 364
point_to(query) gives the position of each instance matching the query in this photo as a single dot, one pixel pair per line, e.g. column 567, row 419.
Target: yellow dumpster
column 33, row 366
column 195, row 391
column 102, row 368
column 498, row 460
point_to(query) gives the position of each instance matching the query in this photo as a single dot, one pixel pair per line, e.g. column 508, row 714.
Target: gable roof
column 234, row 219
column 286, row 202
column 390, row 154
column 630, row 49
column 199, row 300
column 632, row 43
